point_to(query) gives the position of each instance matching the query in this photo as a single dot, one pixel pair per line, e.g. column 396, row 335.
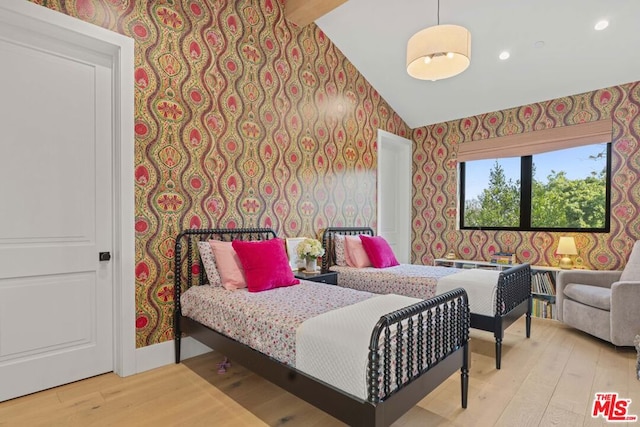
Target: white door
column 394, row 193
column 56, row 302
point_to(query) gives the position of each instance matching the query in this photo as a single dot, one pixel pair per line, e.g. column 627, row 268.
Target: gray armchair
column 605, row 304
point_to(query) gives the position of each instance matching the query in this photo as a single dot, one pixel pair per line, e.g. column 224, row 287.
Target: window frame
column 526, row 188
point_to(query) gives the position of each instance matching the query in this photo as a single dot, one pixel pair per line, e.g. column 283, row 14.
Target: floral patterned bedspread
column 418, row 281
column 265, row 321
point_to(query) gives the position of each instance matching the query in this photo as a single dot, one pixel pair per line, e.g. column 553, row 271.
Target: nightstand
column 330, row 277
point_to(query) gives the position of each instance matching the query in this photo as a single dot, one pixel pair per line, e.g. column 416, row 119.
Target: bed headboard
column 329, row 257
column 187, row 255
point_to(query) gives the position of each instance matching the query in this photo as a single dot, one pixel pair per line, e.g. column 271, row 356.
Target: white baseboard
column 162, row 354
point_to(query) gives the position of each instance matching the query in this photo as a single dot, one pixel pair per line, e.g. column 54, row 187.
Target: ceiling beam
column 303, row 12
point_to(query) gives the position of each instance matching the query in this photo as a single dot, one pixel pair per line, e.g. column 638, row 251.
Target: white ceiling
column 575, row 58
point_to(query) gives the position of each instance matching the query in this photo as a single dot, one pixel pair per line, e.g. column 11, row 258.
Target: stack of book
column 503, row 258
column 544, row 290
column 542, row 283
column 544, row 309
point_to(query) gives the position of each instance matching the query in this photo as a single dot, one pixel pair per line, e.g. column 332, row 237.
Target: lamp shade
column 567, row 246
column 439, row 52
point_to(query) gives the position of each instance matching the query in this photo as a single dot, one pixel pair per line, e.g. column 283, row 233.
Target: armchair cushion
column 631, row 271
column 594, row 296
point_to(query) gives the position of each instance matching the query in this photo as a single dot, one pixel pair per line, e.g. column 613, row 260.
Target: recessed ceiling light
column 601, row 25
column 504, row 55
column 538, row 44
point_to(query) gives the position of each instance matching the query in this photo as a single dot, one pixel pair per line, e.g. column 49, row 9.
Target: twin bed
column 496, row 299
column 362, row 357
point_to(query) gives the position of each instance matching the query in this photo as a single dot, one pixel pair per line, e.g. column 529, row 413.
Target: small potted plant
column 310, row 250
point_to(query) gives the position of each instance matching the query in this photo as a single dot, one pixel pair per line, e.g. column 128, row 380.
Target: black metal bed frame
column 432, row 334
column 513, row 296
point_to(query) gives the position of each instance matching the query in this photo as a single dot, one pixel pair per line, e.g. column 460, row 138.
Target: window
column 560, row 190
column 491, row 193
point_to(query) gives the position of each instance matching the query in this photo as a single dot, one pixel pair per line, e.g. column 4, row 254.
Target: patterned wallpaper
column 435, row 181
column 241, row 119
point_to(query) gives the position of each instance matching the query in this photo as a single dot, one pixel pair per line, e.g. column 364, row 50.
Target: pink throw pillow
column 228, row 265
column 265, row 263
column 379, row 251
column 355, row 254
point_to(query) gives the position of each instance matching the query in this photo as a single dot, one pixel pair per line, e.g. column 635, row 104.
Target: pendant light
column 439, row 52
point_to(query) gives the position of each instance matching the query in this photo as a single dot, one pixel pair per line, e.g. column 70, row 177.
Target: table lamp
column 566, row 247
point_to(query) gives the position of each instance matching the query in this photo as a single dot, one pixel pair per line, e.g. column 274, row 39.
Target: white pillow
column 209, row 263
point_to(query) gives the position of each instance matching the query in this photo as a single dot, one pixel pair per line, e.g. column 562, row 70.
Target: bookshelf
column 543, row 282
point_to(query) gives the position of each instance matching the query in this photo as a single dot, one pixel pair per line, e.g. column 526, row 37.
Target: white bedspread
column 334, row 346
column 480, row 286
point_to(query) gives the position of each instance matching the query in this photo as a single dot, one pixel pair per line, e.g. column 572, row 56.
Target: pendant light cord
column 438, row 12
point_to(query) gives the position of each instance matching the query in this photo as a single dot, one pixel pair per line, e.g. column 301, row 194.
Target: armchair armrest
column 625, row 316
column 602, row 278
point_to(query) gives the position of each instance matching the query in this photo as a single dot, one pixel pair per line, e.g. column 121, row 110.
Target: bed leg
column 464, row 375
column 176, row 342
column 177, row 337
column 528, row 325
column 498, row 351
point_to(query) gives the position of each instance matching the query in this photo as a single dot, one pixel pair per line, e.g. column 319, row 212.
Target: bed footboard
column 514, row 288
column 513, row 299
column 411, row 341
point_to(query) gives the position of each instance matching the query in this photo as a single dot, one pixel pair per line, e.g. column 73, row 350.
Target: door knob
column 104, row 256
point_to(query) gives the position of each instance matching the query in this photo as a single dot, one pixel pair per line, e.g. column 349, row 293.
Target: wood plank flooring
column 547, row 380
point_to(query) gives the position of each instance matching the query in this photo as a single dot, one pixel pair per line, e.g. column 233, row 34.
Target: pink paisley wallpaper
column 241, row 119
column 435, row 180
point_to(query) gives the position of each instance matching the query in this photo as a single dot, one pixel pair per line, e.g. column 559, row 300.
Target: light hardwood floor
column 547, row 380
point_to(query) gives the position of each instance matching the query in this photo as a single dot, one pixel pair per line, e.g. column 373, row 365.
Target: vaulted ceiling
column 554, row 50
